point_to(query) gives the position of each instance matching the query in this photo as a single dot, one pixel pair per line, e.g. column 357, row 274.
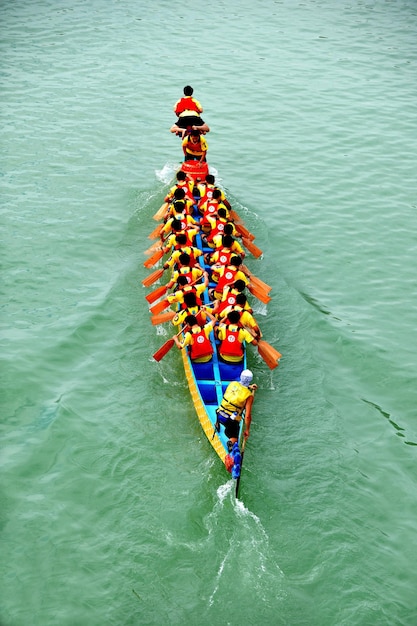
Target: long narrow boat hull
column 207, row 383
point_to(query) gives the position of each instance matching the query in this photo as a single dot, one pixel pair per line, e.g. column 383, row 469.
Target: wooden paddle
column 153, row 248
column 257, row 252
column 152, row 278
column 160, row 214
column 266, row 351
column 155, row 258
column 159, row 306
column 155, row 233
column 243, row 231
column 259, row 293
column 166, row 347
column 162, row 318
column 269, row 354
column 255, row 280
column 156, row 294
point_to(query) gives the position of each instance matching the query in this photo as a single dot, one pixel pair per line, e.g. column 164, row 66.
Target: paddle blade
column 260, row 283
column 255, row 280
column 259, row 293
column 163, row 350
column 156, row 294
column 153, row 248
column 162, row 318
column 161, row 212
column 269, row 354
column 235, row 217
column 155, row 258
column 257, row 252
column 152, row 278
column 155, row 233
column 243, row 231
column 159, row 306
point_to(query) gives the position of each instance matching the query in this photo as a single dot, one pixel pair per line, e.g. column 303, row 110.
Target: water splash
column 167, row 173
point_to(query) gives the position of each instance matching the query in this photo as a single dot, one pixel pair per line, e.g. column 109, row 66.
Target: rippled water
column 114, row 509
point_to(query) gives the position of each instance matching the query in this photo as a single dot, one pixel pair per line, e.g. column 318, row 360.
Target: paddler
column 193, row 251
column 176, row 227
column 206, row 190
column 198, row 340
column 232, row 337
column 225, row 275
column 246, row 320
column 229, row 247
column 237, row 401
column 184, row 183
column 183, row 287
column 192, row 273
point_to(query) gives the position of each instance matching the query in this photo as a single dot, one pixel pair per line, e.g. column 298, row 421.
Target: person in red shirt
column 188, row 110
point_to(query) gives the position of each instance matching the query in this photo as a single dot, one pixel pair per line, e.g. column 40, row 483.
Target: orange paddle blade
column 243, row 231
column 153, row 248
column 161, row 212
column 257, row 252
column 156, row 294
column 163, row 350
column 260, row 283
column 162, row 318
column 269, row 354
column 152, row 278
column 159, row 306
column 155, row 233
column 155, row 258
column 259, row 293
column 255, row 280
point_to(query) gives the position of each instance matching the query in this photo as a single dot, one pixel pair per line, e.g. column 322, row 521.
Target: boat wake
column 248, row 559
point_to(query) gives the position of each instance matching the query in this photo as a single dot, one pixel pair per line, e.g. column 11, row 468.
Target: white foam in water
column 223, row 490
column 166, row 174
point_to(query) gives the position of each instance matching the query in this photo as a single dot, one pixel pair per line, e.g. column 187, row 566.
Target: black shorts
column 189, row 120
column 231, row 427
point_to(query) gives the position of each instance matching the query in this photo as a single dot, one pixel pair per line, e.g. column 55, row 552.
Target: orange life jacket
column 218, row 229
column 231, row 346
column 208, row 194
column 224, row 255
column 229, row 301
column 228, row 278
column 186, row 104
column 200, row 346
column 183, row 184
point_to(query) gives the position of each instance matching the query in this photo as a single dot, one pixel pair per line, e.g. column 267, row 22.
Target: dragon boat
column 208, row 381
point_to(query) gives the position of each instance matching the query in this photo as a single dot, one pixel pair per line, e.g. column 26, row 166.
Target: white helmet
column 246, row 378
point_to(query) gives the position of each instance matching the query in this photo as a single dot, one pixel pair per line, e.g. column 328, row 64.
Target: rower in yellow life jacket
column 232, row 337
column 193, row 274
column 206, row 190
column 184, row 287
column 182, row 183
column 198, row 340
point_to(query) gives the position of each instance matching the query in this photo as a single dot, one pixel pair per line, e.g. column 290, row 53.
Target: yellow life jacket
column 234, row 399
